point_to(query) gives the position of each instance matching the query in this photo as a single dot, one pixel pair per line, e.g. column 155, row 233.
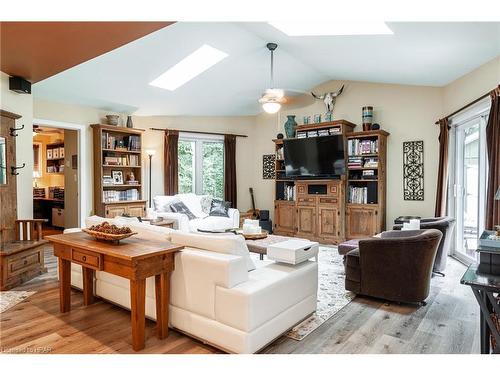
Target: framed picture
column 55, row 153
column 49, row 154
column 61, row 152
column 117, row 177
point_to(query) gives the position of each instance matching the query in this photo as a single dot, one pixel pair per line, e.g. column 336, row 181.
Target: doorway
column 468, row 179
column 58, row 194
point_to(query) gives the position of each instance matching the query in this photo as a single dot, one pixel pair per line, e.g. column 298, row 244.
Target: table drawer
column 328, row 201
column 22, row 264
column 87, row 258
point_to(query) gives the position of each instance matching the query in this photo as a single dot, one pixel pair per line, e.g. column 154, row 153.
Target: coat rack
column 13, row 131
column 13, row 170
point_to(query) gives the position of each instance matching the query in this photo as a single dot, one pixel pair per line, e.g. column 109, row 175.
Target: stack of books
column 369, row 174
column 355, row 162
column 312, row 133
column 323, row 132
column 301, row 135
column 371, row 163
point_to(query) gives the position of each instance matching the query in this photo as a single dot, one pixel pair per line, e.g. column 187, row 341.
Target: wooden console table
column 134, row 259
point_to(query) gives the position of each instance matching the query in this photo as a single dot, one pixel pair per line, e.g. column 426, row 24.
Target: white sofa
column 203, row 220
column 218, row 293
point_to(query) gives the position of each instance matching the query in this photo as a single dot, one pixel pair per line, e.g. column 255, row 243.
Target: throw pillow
column 181, row 208
column 219, row 208
column 225, row 244
column 206, row 203
column 162, row 202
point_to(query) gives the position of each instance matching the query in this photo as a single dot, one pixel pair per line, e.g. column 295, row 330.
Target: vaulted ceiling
column 431, row 54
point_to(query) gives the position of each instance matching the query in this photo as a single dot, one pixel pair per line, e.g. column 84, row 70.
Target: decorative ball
column 375, row 126
column 280, row 136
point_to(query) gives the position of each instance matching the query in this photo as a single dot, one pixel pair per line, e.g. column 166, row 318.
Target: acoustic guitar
column 255, row 213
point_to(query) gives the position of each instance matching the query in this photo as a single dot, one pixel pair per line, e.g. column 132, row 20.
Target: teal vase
column 290, row 125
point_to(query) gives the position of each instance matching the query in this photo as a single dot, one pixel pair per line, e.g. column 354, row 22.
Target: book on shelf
column 123, row 143
column 357, row 195
column 110, row 196
column 301, row 135
column 355, row 162
column 128, row 160
column 289, row 193
column 362, row 146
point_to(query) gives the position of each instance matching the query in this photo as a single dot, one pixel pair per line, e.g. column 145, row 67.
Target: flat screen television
column 318, row 157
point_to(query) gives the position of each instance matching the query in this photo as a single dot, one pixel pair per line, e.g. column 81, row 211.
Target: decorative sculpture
column 329, row 99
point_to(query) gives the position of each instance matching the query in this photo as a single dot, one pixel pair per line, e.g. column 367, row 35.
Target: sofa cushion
column 206, row 203
column 192, row 201
column 181, row 208
column 226, row 244
column 162, row 202
column 220, row 208
column 270, row 290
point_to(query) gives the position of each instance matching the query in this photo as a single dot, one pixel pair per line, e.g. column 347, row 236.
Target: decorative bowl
column 258, row 236
column 107, row 236
column 113, row 119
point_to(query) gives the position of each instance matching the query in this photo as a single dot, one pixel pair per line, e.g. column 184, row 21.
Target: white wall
column 245, row 156
column 471, row 86
column 407, row 112
column 21, row 104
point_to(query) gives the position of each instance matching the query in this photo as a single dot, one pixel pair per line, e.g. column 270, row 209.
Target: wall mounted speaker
column 19, row 85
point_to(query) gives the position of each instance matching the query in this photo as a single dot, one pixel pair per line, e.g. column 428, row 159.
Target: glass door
column 469, row 186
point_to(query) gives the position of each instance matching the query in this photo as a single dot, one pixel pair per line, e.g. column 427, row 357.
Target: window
column 201, row 165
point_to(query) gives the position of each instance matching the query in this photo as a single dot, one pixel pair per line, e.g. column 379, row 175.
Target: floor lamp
column 150, row 154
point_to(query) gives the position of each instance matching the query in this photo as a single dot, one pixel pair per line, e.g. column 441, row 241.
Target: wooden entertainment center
column 331, row 210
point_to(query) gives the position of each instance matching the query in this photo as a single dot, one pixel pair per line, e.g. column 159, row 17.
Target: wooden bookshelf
column 123, row 146
column 366, row 197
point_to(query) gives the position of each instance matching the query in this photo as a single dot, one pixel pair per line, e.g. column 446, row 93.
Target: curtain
column 493, row 152
column 230, row 169
column 171, row 177
column 442, row 180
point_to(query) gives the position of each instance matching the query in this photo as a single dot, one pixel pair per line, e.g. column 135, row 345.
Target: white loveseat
column 218, row 293
column 202, row 221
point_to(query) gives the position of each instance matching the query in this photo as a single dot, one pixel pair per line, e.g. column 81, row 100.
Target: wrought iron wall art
column 268, row 166
column 413, row 171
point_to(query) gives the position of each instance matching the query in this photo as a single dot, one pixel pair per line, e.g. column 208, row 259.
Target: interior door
column 469, row 185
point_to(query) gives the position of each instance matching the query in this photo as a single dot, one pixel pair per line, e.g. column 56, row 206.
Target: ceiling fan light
column 271, row 107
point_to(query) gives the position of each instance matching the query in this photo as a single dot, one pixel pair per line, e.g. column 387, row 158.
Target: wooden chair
column 30, row 229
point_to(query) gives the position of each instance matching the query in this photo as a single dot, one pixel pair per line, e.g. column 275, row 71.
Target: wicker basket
column 107, row 236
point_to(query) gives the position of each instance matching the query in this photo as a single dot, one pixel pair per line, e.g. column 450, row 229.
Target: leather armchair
column 396, row 267
column 446, row 225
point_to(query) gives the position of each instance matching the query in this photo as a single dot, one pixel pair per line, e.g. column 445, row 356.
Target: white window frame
column 477, row 112
column 199, row 139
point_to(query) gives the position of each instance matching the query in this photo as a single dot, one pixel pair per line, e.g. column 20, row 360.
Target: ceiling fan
column 273, row 98
column 37, row 129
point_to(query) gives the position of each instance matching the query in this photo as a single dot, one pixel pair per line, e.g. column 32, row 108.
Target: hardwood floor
column 448, row 324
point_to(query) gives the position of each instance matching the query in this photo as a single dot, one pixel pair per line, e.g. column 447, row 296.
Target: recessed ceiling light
column 189, row 67
column 324, row 28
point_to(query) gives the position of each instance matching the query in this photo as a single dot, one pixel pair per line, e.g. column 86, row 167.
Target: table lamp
column 36, row 176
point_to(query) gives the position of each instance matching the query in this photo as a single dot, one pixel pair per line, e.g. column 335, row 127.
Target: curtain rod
column 468, row 105
column 199, row 132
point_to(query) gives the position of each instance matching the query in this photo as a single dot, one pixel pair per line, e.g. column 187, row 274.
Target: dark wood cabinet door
column 361, row 222
column 285, row 217
column 328, row 222
column 306, row 221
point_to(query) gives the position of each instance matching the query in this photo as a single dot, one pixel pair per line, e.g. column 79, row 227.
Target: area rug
column 11, row 298
column 332, row 296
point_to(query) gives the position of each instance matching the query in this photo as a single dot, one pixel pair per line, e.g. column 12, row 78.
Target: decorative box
column 293, row 251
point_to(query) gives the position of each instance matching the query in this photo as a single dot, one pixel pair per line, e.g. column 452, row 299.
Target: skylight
column 325, row 28
column 189, row 67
